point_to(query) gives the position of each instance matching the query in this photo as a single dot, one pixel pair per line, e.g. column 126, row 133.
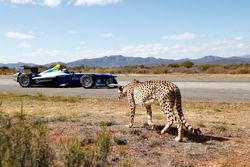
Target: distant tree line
column 183, row 67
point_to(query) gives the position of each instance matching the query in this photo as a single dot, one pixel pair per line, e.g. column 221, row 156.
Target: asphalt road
column 202, row 89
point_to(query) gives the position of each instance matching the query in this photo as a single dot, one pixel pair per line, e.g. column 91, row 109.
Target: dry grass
column 183, row 68
column 225, row 127
column 197, row 75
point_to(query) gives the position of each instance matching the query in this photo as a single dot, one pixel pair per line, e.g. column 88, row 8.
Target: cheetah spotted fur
column 166, row 93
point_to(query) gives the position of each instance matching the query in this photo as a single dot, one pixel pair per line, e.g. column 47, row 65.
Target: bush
column 243, row 70
column 120, row 141
column 4, row 68
column 22, row 143
column 74, row 154
column 107, row 123
column 174, row 65
column 187, row 64
column 205, row 67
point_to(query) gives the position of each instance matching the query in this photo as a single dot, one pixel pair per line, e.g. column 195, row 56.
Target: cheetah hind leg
column 179, row 138
column 167, row 109
column 149, row 113
column 166, row 128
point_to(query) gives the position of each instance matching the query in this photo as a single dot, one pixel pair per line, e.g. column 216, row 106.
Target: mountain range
column 119, row 60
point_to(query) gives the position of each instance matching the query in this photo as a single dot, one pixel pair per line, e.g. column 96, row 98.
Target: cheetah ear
column 120, row 88
column 136, row 81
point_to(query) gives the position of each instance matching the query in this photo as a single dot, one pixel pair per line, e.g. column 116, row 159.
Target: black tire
column 24, row 80
column 87, row 81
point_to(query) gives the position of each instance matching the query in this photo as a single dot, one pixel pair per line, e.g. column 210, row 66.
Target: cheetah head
column 122, row 90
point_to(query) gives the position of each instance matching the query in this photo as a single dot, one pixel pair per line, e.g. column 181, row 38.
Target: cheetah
column 166, row 93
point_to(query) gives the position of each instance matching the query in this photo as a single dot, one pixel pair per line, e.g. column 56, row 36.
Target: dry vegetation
column 91, row 131
column 7, row 71
column 184, row 67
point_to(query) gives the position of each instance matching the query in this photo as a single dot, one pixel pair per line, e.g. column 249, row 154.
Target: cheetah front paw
column 152, row 126
column 129, row 125
column 163, row 131
column 178, row 139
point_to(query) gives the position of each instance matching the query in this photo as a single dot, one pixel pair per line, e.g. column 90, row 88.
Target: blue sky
column 43, row 31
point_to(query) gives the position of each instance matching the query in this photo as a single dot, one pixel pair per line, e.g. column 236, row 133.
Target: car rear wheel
column 87, row 81
column 24, row 80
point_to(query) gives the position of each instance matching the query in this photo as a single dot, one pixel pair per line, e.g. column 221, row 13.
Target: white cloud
column 82, row 45
column 224, row 48
column 179, row 37
column 155, row 49
column 95, row 2
column 143, row 50
column 52, row 3
column 49, row 3
column 17, row 35
column 44, row 56
column 24, row 45
column 21, row 1
column 47, row 52
column 55, row 3
column 107, row 35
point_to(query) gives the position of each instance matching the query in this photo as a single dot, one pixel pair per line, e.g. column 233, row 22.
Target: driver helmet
column 65, row 70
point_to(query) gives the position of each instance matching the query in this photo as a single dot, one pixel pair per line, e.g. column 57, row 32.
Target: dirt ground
column 225, row 139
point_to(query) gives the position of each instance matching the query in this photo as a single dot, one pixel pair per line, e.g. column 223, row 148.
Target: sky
column 45, row 31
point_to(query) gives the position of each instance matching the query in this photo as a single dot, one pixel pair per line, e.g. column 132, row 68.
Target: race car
column 56, row 76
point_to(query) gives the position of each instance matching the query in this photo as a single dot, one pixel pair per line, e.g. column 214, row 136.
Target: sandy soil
column 224, row 141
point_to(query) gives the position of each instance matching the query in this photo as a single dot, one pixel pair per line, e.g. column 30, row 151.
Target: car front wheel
column 24, row 80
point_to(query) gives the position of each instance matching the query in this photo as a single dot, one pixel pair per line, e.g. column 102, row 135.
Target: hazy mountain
column 114, row 61
column 245, row 56
column 221, row 60
column 13, row 65
column 119, row 60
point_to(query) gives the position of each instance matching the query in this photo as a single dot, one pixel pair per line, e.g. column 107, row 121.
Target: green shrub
column 187, row 64
column 22, row 143
column 174, row 65
column 204, row 67
column 102, row 146
column 107, row 123
column 75, row 154
column 124, row 162
column 120, row 140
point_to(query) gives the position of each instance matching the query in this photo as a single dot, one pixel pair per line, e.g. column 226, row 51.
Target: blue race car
column 29, row 76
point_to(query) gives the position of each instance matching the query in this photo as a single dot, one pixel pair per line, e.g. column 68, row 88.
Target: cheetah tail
column 195, row 131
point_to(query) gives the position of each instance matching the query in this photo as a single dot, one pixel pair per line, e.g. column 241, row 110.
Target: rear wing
column 27, row 69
